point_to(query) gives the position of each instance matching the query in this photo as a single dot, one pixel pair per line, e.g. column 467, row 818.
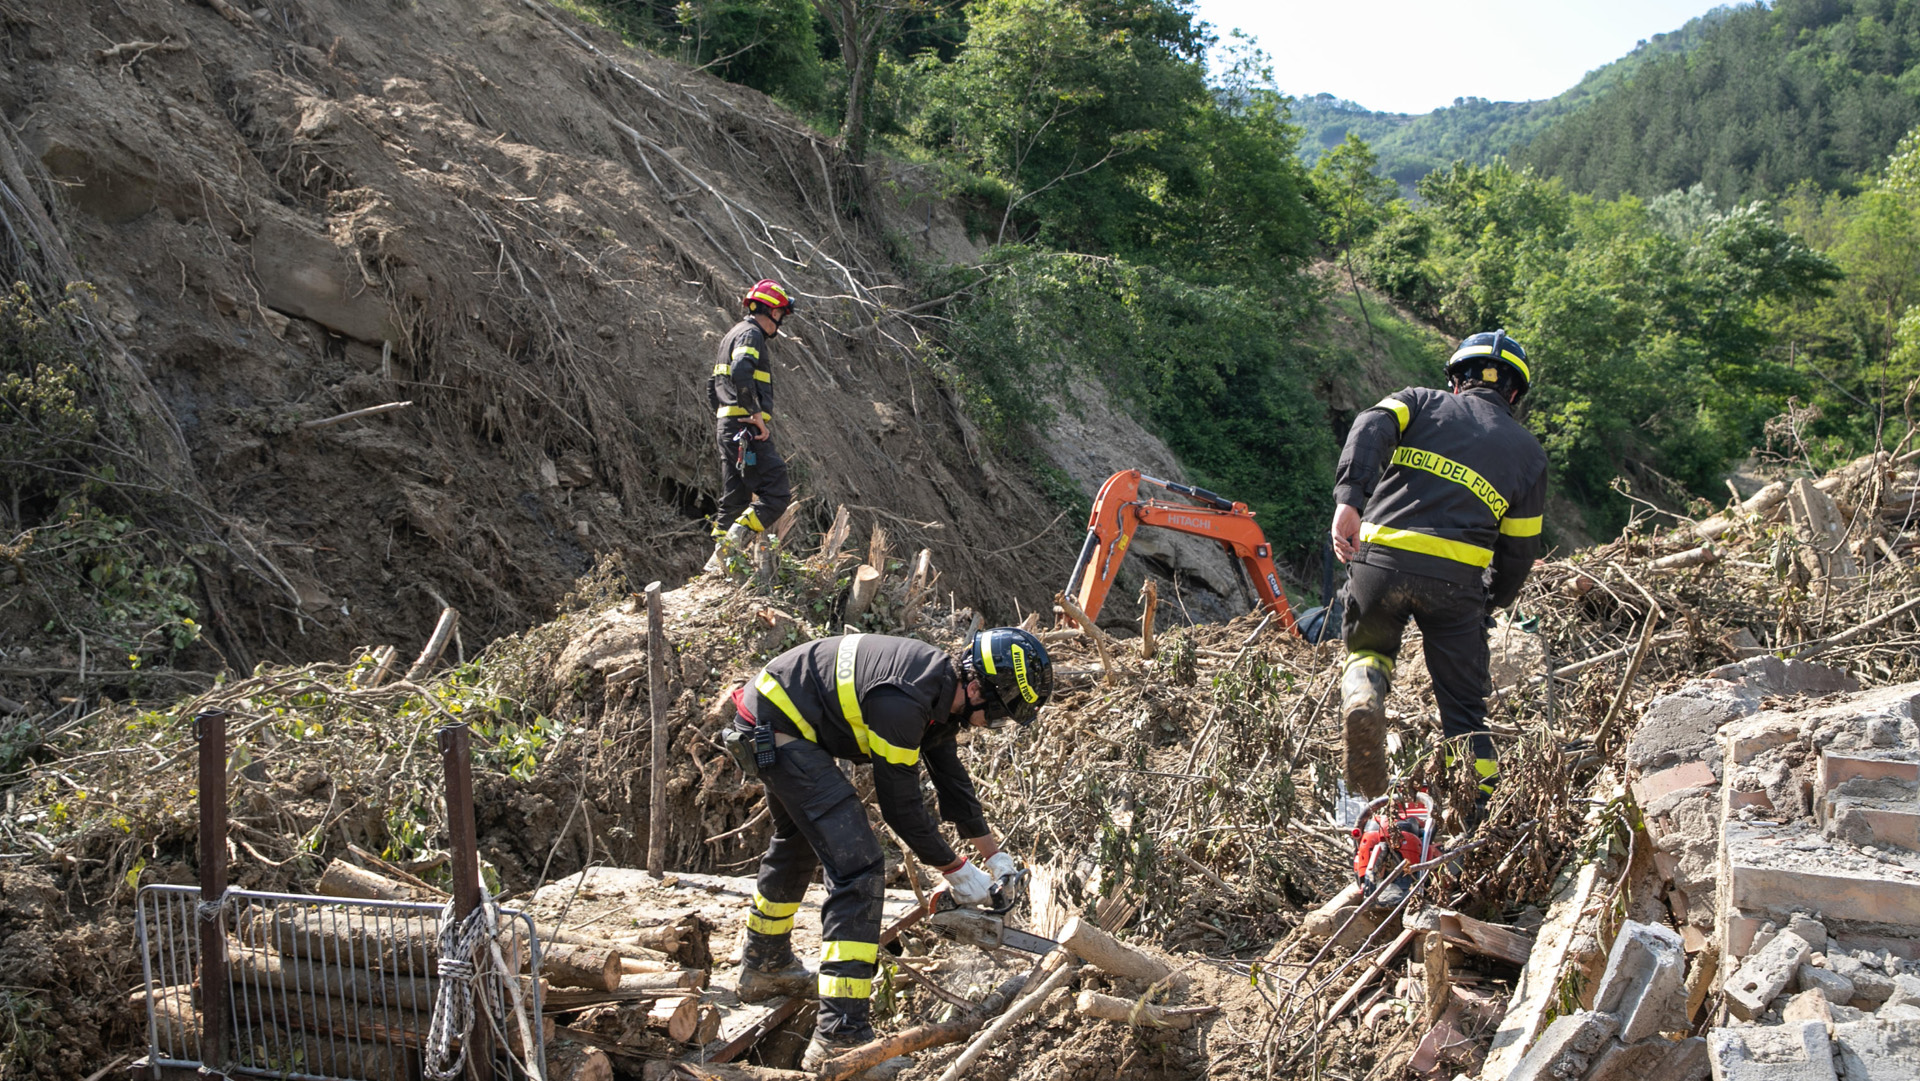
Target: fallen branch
column 356, row 414
column 920, row 1037
column 1007, row 1020
column 1138, row 1012
column 436, row 644
column 1810, row 648
column 1099, row 636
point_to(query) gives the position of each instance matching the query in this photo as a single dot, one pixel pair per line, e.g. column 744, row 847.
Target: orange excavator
column 1120, row 510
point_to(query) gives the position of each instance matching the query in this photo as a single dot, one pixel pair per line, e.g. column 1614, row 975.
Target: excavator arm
column 1120, row 510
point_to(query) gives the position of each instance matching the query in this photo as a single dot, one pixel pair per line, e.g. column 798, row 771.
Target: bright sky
column 1413, row 56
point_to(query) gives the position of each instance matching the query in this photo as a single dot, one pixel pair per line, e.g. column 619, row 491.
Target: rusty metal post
column 456, row 758
column 657, row 705
column 210, row 728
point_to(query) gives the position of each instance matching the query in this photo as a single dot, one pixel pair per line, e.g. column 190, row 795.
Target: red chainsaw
column 1389, row 831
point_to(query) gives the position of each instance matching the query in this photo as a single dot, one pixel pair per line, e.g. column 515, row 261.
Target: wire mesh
column 325, row 988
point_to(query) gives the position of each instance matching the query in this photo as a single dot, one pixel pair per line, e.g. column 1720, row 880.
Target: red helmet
column 768, row 293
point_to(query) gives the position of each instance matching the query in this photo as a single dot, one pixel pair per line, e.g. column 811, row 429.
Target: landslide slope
column 531, row 233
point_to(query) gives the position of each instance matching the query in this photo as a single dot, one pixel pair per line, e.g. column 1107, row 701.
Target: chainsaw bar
column 972, row 927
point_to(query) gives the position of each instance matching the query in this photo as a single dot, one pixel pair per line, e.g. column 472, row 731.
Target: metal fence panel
column 323, row 988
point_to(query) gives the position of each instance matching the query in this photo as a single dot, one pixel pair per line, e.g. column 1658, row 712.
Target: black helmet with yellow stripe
column 1489, row 355
column 1014, row 669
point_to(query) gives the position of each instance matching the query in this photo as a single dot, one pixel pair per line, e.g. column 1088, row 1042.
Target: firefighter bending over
column 753, row 476
column 1452, row 489
column 897, row 703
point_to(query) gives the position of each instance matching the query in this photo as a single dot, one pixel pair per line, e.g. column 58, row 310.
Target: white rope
column 211, row 911
column 453, row 1004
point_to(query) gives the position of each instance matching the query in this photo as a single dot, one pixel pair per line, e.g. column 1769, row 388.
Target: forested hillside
column 1149, row 227
column 1411, row 145
column 1806, row 90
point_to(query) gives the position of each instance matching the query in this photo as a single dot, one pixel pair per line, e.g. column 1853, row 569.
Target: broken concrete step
column 1776, row 869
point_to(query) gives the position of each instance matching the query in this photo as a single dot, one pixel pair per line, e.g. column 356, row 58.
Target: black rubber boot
column 768, row 969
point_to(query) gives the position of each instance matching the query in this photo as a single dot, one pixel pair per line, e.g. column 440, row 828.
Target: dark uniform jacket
column 742, row 382
column 885, row 700
column 1448, row 485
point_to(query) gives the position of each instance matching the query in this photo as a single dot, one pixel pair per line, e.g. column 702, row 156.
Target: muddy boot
column 769, row 969
column 737, row 537
column 822, row 1048
column 1363, row 704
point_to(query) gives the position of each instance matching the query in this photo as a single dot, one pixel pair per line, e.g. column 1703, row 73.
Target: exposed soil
column 530, row 232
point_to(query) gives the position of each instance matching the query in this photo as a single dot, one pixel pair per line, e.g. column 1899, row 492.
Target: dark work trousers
column 819, row 821
column 760, row 488
column 1452, row 621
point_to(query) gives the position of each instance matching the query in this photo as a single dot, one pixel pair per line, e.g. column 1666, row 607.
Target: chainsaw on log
column 984, row 926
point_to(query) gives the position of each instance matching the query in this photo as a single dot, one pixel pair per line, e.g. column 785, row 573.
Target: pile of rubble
column 1783, row 807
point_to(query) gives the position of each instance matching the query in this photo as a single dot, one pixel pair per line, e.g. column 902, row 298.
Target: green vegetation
column 1474, row 129
column 1804, row 90
column 1154, row 231
column 77, row 565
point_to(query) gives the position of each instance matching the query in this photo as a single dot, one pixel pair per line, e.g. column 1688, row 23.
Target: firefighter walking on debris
column 897, row 703
column 753, row 476
column 1452, row 489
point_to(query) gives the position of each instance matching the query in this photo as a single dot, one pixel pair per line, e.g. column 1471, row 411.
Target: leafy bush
column 1210, row 368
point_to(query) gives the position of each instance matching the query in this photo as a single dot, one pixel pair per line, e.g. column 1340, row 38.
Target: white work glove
column 971, row 886
column 1001, row 866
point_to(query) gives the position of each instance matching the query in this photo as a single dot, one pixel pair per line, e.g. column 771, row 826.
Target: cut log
column 263, row 1042
column 645, row 985
column 679, row 1018
column 406, row 946
column 685, row 938
column 866, row 584
column 550, row 934
column 1137, row 1012
column 1756, row 505
column 634, row 966
column 254, row 967
column 576, row 1062
column 588, row 967
column 708, row 1030
column 1486, row 939
column 1818, row 523
column 1322, row 922
column 1104, row 952
column 343, row 879
column 1702, row 556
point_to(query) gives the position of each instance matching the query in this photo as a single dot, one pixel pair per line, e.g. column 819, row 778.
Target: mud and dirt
column 530, row 232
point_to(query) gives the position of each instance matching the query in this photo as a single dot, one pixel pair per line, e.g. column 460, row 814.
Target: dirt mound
column 529, row 232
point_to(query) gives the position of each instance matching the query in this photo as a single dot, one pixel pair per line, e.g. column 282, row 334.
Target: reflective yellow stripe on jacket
column 1409, row 540
column 849, row 695
column 1399, row 410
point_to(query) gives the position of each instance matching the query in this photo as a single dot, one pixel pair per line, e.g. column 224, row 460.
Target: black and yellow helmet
column 1014, row 669
column 1482, row 356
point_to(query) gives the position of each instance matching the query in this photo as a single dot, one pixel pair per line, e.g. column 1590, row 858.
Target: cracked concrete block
column 1810, row 929
column 1807, row 1006
column 1645, row 984
column 1799, row 1052
column 1759, row 734
column 1653, row 786
column 1657, row 1059
column 1870, row 986
column 1765, row 975
column 1837, row 988
column 1566, row 1050
column 1680, row 727
column 1771, row 675
column 1877, row 1050
column 1906, row 991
